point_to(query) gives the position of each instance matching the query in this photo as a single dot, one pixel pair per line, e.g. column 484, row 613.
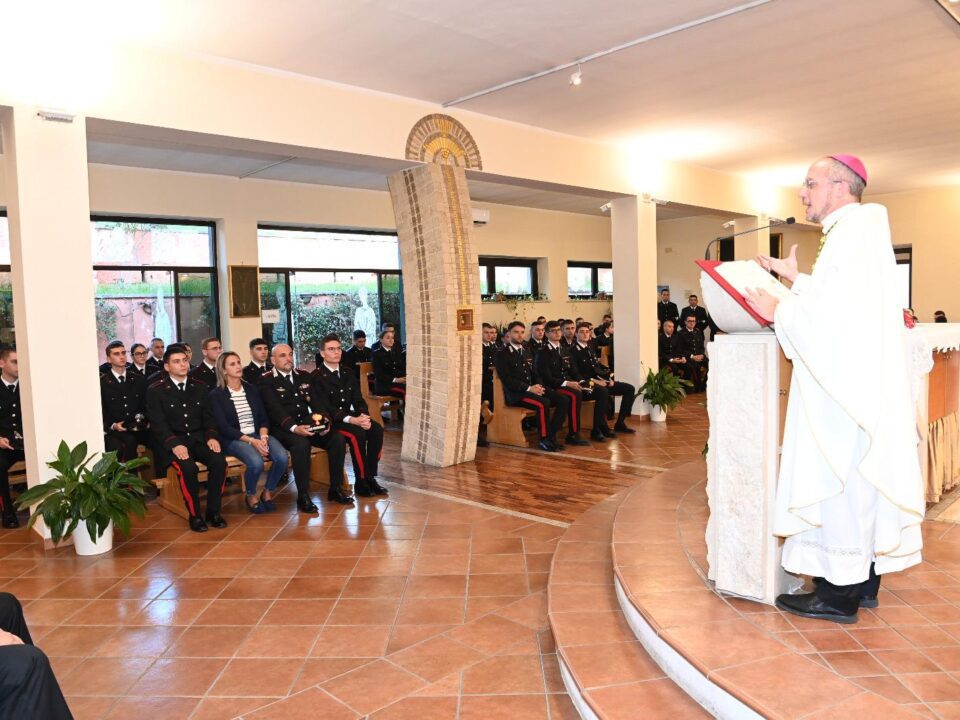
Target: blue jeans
column 251, row 457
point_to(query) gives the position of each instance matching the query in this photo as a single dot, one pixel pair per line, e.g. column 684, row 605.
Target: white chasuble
column 850, row 490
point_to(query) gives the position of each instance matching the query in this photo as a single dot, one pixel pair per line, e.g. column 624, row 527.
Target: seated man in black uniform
column 693, row 309
column 123, row 402
column 155, row 361
column 670, row 351
column 104, row 366
column 206, row 371
column 590, row 368
column 383, row 328
column 185, row 432
column 568, row 330
column 521, row 388
column 389, row 367
column 598, row 331
column 11, row 431
column 28, row 687
column 336, row 388
column 354, row 355
column 558, row 375
column 286, row 393
column 537, row 337
column 489, row 351
column 693, row 346
column 259, row 364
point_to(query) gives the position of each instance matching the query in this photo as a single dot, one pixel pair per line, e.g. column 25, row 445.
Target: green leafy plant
column 664, row 389
column 108, row 491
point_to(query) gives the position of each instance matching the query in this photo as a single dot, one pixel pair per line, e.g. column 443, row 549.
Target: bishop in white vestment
column 850, row 496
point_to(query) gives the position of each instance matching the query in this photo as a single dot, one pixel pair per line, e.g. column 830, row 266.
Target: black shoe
column 867, row 601
column 598, row 436
column 548, row 445
column 377, row 488
column 364, row 490
column 11, row 521
column 574, row 439
column 809, row 605
column 607, row 432
column 216, row 520
column 622, row 427
column 197, row 524
column 306, row 505
column 258, row 508
column 336, row 496
column 267, row 504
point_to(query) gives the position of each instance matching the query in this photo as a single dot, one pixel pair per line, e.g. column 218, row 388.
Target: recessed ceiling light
column 577, row 77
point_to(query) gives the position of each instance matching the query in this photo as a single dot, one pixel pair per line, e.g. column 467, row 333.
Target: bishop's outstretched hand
column 784, row 267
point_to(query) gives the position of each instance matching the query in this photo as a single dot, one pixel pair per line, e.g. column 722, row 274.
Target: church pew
column 377, row 403
column 505, row 425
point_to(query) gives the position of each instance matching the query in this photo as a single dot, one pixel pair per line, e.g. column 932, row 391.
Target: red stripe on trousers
column 402, row 392
column 543, row 414
column 187, row 497
column 574, row 415
column 356, row 452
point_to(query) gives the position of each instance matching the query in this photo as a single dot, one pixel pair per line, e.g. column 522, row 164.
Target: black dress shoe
column 306, row 505
column 607, row 432
column 364, row 491
column 377, row 488
column 808, row 605
column 267, row 504
column 623, row 428
column 197, row 524
column 574, row 439
column 548, row 445
column 598, row 437
column 10, row 521
column 867, row 601
column 216, row 520
column 336, row 496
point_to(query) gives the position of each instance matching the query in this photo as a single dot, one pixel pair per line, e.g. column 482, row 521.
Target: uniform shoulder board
column 157, row 383
column 267, row 373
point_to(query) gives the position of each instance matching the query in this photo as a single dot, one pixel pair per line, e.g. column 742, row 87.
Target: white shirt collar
column 141, row 368
column 331, row 368
column 115, row 374
column 555, row 346
column 211, row 367
column 833, row 218
column 11, row 384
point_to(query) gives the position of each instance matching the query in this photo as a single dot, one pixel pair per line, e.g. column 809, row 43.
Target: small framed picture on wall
column 244, row 291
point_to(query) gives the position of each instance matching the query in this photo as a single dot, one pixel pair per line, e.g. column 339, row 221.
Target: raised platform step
column 605, row 669
column 741, row 659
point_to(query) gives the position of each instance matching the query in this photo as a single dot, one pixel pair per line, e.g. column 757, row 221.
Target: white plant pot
column 658, row 414
column 84, row 545
column 645, row 407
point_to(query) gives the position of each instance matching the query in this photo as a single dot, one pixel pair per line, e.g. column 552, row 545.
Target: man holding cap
column 850, row 498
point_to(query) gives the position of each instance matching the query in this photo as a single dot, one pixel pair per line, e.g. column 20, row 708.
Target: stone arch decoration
column 439, row 138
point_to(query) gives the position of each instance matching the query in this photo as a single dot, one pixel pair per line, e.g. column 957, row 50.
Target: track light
column 577, row 77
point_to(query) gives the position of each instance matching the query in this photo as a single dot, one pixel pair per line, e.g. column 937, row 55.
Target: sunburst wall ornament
column 441, row 139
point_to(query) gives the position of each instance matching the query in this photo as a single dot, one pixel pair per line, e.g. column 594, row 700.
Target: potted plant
column 663, row 391
column 101, row 497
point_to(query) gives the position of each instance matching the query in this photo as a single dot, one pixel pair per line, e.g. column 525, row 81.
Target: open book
column 735, row 277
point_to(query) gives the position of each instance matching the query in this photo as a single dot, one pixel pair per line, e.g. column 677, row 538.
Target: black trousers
column 846, row 598
column 188, row 473
column 125, row 443
column 7, row 458
column 366, row 447
column 575, row 404
column 547, row 426
column 601, row 401
column 299, row 447
column 626, row 392
column 28, row 687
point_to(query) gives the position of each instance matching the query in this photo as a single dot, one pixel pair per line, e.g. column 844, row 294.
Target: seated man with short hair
column 206, row 371
column 389, row 367
column 670, row 350
column 568, row 329
column 537, row 337
column 28, row 687
column 11, row 431
column 123, row 403
column 383, row 328
column 354, row 355
column 286, row 393
column 185, row 432
column 259, row 364
column 590, row 368
column 155, row 361
column 335, row 387
column 693, row 345
column 558, row 375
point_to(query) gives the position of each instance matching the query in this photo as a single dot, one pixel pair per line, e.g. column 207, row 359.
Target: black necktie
column 12, row 389
column 120, row 379
column 181, row 386
column 337, row 375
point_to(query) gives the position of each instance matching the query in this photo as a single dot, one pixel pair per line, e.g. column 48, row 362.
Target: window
column 587, row 279
column 314, row 282
column 904, row 257
column 7, row 331
column 513, row 277
column 154, row 278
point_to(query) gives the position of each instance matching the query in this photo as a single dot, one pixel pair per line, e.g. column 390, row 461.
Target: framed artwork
column 244, row 291
column 465, row 319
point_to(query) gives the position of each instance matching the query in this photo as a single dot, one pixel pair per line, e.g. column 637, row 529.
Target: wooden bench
column 506, row 425
column 171, row 496
column 604, row 358
column 376, row 404
column 18, row 471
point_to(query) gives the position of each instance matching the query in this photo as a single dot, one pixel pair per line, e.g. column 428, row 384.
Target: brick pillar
column 442, row 304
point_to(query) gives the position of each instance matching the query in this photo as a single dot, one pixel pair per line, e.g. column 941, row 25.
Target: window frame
column 9, row 267
column 595, row 266
column 175, row 270
column 903, row 255
column 491, row 262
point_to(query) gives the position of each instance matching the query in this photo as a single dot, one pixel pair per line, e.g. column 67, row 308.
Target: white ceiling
column 766, row 90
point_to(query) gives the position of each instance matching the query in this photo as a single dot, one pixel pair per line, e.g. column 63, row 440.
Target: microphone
column 788, row 221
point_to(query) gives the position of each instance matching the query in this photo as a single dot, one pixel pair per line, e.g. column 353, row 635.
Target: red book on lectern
column 749, row 274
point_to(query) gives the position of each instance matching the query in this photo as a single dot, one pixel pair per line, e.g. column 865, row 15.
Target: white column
column 236, row 245
column 53, row 291
column 633, row 222
column 748, row 246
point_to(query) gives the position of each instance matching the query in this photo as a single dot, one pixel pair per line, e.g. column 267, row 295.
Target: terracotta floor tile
column 436, row 586
column 306, row 611
column 660, row 699
column 505, row 674
column 179, row 677
column 611, row 664
column 924, row 636
column 214, row 708
column 686, row 608
column 530, row 611
column 834, row 640
column 247, row 588
column 309, row 704
column 489, row 634
column 146, row 588
column 866, row 705
column 855, row 664
column 570, row 598
column 905, row 661
column 246, row 677
column 208, row 641
column 948, row 658
column 882, row 638
column 104, row 676
column 134, row 641
column 933, row 687
column 722, row 644
column 500, row 584
column 385, row 565
column 576, row 628
column 89, row 707
column 374, row 686
column 419, row 708
column 441, row 565
column 375, row 586
column 318, row 670
column 192, row 588
column 887, row 686
column 327, row 566
column 313, row 587
column 233, row 612
column 514, row 563
column 561, row 707
column 169, row 708
column 279, row 641
column 428, row 611
column 364, row 611
column 74, row 641
column 435, row 658
column 345, row 641
column 479, row 707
